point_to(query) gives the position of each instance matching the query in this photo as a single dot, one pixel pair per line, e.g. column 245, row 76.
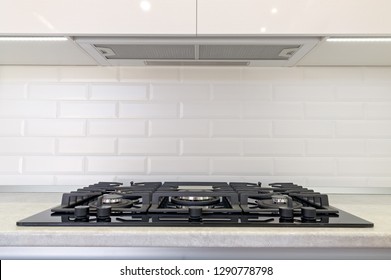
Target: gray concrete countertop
column 16, row 206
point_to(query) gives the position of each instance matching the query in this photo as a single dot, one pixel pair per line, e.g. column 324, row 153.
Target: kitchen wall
column 326, row 128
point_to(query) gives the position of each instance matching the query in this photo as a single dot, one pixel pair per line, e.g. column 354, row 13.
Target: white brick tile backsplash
column 142, row 146
column 363, row 129
column 378, row 111
column 119, row 92
column 12, row 90
column 364, row 92
column 273, row 147
column 242, row 91
column 379, row 147
column 148, row 110
column 169, row 165
column 180, row 128
column 53, row 164
column 303, row 92
column 334, row 111
column 180, row 92
column 241, row 128
column 332, row 147
column 273, row 110
column 117, row 127
column 87, row 146
column 211, row 147
column 9, row 165
column 239, row 166
column 80, row 109
column 11, row 127
column 364, row 167
column 58, row 91
column 27, row 109
column 304, row 166
column 116, row 165
column 303, row 128
column 211, row 110
column 54, row 127
column 27, row 145
column 322, row 127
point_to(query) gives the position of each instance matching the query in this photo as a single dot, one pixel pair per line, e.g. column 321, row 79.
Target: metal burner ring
column 195, row 200
column 111, row 198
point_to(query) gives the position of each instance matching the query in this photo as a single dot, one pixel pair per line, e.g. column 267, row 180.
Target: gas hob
column 195, row 204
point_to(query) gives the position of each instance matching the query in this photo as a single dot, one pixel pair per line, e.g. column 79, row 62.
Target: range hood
column 204, row 51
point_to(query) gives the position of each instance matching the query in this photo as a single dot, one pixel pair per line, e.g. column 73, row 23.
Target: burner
column 114, row 200
column 278, row 201
column 195, row 200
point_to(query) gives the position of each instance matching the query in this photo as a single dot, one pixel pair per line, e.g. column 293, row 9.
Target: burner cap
column 276, row 203
column 111, row 198
column 195, row 200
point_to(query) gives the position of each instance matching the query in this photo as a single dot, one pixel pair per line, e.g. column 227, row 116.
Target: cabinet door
column 72, row 17
column 294, row 17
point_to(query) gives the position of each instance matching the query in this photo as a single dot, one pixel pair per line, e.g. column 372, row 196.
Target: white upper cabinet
column 97, row 17
column 294, row 17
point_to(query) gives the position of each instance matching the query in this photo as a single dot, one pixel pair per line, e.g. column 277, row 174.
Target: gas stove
column 195, row 204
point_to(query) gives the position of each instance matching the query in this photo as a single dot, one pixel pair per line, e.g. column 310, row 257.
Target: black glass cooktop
column 195, row 204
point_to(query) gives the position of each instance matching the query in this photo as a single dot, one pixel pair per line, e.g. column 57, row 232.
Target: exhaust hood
column 203, row 51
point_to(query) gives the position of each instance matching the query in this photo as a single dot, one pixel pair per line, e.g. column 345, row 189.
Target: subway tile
column 119, row 92
column 364, row 92
column 27, row 145
column 211, row 147
column 273, row 110
column 304, row 166
column 180, row 128
column 27, row 109
column 148, row 110
column 377, row 74
column 363, row 129
column 30, row 180
column 86, row 146
column 88, row 73
column 211, row 110
column 337, row 182
column 303, row 128
column 379, row 147
column 10, row 164
column 273, row 147
column 117, row 127
column 242, row 91
column 248, row 166
column 58, row 91
column 303, row 92
column 12, row 90
column 11, row 127
column 87, row 109
column 29, row 73
column 332, row 147
column 364, row 166
column 148, row 73
column 180, row 92
column 116, row 165
column 334, row 111
column 54, row 127
column 272, row 74
column 53, row 164
column 378, row 111
column 333, row 74
column 210, row 73
column 380, row 182
column 131, row 146
column 169, row 165
column 241, row 128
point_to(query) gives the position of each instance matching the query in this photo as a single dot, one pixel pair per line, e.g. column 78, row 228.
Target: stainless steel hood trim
column 306, row 44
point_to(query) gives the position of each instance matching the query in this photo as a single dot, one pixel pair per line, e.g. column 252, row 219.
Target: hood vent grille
column 204, row 51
